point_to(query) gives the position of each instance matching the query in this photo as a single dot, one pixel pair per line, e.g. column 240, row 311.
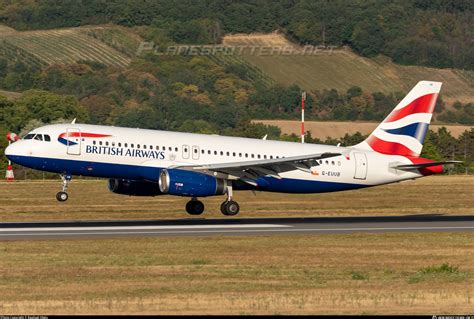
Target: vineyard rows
column 64, row 46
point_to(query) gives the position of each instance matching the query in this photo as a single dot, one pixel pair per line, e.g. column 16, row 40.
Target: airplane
column 141, row 162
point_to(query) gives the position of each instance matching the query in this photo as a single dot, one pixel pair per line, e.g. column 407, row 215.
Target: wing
column 250, row 171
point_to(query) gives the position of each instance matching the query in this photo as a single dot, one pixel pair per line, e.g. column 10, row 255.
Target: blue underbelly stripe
column 135, row 172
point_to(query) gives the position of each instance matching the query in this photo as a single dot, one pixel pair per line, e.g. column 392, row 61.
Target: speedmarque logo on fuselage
column 119, row 151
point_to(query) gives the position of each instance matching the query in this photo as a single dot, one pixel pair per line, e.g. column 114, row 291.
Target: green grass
column 443, row 272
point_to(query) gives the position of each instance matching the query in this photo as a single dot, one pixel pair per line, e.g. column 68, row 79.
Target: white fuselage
column 139, row 154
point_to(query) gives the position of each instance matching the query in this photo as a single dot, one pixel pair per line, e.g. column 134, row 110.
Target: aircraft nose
column 12, row 150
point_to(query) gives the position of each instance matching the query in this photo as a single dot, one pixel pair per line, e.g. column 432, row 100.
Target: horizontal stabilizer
column 423, row 165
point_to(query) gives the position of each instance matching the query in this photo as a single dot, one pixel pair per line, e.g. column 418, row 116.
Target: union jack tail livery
column 403, row 131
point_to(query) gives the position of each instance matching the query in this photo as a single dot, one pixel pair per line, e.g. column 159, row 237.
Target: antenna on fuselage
column 73, row 121
column 265, row 137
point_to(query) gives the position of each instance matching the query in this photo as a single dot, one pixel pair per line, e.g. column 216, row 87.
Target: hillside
column 10, row 95
column 340, row 69
column 323, row 130
column 64, row 46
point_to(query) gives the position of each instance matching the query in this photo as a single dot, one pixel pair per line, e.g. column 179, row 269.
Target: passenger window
column 47, row 138
column 107, row 143
column 125, row 145
column 119, row 144
column 195, row 150
column 271, row 156
column 144, row 146
column 175, row 149
column 253, row 156
column 209, row 152
column 138, row 145
column 202, row 151
column 240, row 154
column 131, row 145
column 332, row 163
column 227, row 153
column 258, row 156
column 170, row 148
column 233, row 154
column 215, row 152
column 265, row 156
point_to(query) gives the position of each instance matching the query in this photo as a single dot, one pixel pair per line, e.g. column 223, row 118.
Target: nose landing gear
column 62, row 196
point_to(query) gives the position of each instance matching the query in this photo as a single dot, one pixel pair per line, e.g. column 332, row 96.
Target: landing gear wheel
column 230, row 208
column 194, row 207
column 62, row 196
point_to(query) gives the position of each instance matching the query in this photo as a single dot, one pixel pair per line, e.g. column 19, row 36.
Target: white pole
column 303, row 98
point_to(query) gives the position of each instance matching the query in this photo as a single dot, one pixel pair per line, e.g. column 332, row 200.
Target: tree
column 44, row 106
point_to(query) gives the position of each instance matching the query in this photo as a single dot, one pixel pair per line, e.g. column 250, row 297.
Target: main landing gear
column 195, row 207
column 62, row 196
column 229, row 207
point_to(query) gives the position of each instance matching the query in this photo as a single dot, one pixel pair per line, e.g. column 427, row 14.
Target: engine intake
column 185, row 183
column 133, row 188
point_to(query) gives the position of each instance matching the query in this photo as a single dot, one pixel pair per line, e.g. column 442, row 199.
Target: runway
column 233, row 227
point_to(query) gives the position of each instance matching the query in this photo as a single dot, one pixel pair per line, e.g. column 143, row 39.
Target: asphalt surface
column 233, row 227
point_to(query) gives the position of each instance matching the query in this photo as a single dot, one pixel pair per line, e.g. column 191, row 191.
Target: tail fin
column 403, row 131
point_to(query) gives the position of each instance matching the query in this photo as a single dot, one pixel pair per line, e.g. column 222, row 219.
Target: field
column 322, row 130
column 392, row 273
column 90, row 199
column 341, row 69
column 428, row 273
column 104, row 44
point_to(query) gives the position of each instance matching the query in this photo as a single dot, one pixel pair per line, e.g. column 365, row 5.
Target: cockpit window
column 38, row 137
column 29, row 136
column 47, row 138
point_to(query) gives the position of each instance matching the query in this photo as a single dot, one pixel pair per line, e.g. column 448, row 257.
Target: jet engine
column 192, row 184
column 133, row 188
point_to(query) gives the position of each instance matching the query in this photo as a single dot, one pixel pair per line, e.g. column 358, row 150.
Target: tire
column 223, row 208
column 62, row 196
column 194, row 207
column 230, row 208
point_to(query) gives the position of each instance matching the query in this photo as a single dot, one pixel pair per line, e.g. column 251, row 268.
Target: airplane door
column 186, row 151
column 360, row 165
column 73, row 138
column 195, row 152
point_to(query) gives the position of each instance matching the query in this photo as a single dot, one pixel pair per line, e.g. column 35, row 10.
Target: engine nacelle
column 185, row 183
column 133, row 188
